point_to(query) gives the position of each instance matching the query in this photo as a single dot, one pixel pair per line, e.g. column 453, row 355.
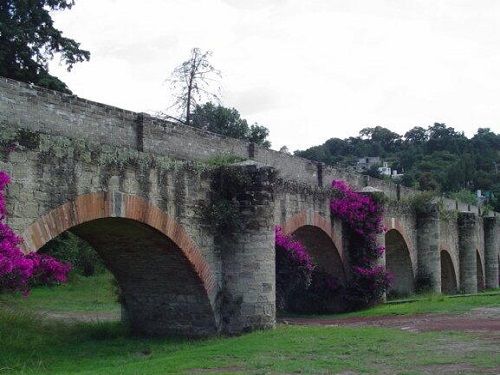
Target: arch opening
column 326, row 281
column 159, row 291
column 398, row 263
column 479, row 272
column 321, row 248
column 448, row 275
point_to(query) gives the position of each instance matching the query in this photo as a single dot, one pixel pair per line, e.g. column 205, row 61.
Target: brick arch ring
column 398, row 227
column 314, row 219
column 454, row 262
column 102, row 205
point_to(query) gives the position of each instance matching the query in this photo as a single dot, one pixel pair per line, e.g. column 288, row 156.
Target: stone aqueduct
column 132, row 185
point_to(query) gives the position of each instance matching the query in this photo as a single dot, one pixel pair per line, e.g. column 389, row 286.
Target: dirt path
column 484, row 319
column 86, row 317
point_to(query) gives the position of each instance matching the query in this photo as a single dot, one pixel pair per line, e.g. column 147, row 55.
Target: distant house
column 367, row 162
column 385, row 170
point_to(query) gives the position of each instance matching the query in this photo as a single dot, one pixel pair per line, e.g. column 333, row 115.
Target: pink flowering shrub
column 362, row 215
column 300, row 285
column 294, row 269
column 18, row 272
column 294, row 248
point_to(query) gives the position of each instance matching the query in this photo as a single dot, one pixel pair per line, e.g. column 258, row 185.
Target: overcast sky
column 308, row 70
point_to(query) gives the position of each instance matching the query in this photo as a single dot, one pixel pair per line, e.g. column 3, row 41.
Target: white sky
column 308, row 70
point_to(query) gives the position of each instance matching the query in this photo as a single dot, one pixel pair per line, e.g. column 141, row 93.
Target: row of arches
column 166, row 287
column 163, row 277
column 398, row 261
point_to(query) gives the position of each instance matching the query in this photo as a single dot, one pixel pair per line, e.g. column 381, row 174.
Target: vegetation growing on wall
column 221, row 212
column 362, row 217
column 63, row 148
column 300, row 285
column 294, row 268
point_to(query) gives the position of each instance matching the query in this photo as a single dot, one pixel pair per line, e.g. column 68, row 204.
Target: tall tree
column 416, row 136
column 28, row 40
column 193, row 82
column 383, row 137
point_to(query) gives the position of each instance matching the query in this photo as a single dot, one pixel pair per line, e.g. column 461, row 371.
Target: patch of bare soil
column 456, row 368
column 85, row 317
column 485, row 319
column 483, row 322
column 217, row 370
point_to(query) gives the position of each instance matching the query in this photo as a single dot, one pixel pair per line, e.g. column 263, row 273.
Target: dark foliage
column 72, row 249
column 28, row 40
column 228, row 122
column 437, row 158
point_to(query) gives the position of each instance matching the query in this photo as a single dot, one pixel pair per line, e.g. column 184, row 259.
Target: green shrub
column 70, row 248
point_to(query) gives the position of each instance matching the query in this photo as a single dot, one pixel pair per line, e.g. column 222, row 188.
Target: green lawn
column 427, row 304
column 87, row 294
column 81, row 294
column 31, row 345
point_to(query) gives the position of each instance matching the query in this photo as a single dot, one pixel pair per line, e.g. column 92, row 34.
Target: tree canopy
column 436, row 158
column 228, row 122
column 28, row 40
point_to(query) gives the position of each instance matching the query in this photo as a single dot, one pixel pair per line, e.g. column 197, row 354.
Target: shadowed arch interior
column 322, row 249
column 168, row 287
column 448, row 275
column 160, row 291
column 161, row 294
column 479, row 273
column 398, row 263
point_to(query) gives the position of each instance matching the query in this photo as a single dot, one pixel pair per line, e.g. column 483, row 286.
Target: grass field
column 81, row 294
column 33, row 347
column 427, row 304
column 30, row 345
column 96, row 293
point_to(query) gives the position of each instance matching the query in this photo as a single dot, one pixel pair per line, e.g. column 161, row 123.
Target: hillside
column 437, row 158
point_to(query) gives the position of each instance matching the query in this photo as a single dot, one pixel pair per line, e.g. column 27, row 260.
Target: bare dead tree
column 194, row 81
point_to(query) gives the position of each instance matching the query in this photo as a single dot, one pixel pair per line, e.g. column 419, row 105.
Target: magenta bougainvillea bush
column 362, row 215
column 300, row 285
column 18, row 272
column 303, row 287
column 294, row 269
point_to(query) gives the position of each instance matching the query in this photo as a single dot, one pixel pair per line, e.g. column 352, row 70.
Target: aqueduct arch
column 448, row 275
column 322, row 250
column 398, row 262
column 166, row 286
column 58, row 147
column 479, row 272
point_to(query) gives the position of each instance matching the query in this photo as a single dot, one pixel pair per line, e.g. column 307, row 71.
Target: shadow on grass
column 31, row 344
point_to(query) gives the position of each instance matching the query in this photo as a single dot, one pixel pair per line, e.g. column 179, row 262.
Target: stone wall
column 58, row 186
column 136, row 188
column 48, row 111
